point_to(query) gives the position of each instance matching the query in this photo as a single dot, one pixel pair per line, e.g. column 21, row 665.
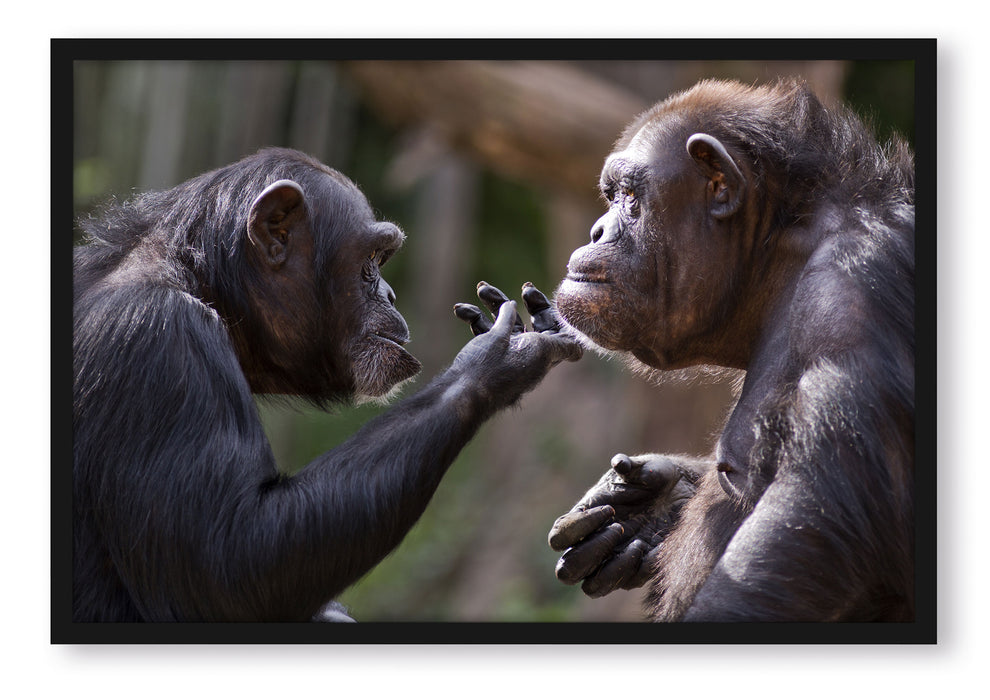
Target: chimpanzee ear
column 276, row 214
column 725, row 181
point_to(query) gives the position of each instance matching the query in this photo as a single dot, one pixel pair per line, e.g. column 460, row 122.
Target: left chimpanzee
column 260, row 277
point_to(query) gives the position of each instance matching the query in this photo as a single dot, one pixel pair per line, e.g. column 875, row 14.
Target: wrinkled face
column 330, row 327
column 655, row 279
column 369, row 330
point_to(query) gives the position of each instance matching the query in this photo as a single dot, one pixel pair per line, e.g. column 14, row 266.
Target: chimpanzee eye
column 374, row 262
column 378, row 257
column 608, row 191
column 628, row 200
column 385, row 255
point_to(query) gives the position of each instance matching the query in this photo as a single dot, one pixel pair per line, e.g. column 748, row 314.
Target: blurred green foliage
column 883, row 93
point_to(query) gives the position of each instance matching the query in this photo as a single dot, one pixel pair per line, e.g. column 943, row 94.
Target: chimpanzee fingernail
column 465, row 312
column 563, row 572
column 590, row 588
column 622, row 464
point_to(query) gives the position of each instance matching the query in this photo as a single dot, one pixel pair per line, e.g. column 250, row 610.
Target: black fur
column 179, row 511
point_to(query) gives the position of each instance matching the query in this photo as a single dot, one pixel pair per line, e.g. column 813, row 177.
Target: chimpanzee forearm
column 364, row 496
column 350, row 507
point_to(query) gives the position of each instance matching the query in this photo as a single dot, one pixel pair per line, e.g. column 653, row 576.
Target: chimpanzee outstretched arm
column 222, row 535
column 397, row 476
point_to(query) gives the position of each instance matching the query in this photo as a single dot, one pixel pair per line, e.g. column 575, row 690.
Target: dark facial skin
column 375, row 350
column 360, row 330
column 662, row 277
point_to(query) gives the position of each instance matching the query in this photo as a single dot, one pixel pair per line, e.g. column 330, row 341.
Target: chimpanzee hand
column 613, row 534
column 505, row 358
column 539, row 308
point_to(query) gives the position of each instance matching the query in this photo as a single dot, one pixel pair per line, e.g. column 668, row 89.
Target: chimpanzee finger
column 623, row 464
column 503, row 325
column 571, row 528
column 616, row 571
column 650, row 471
column 647, row 568
column 491, row 295
column 539, row 308
column 578, row 562
column 494, row 298
column 616, row 493
column 480, row 323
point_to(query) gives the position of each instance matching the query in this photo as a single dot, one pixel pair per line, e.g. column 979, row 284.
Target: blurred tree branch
column 547, row 123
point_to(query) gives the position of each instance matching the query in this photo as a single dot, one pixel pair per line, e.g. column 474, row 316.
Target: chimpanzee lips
column 587, row 277
column 390, row 339
column 393, row 346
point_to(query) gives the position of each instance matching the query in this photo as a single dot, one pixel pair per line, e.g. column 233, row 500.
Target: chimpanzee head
column 300, row 283
column 668, row 273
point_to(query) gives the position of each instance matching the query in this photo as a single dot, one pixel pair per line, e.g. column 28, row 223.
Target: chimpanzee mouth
column 587, row 278
column 388, row 349
column 390, row 340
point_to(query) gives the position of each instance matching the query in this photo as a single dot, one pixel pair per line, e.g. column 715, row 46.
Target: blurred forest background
column 491, row 168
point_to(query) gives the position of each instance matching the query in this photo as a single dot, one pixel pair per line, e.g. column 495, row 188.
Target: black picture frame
column 64, row 52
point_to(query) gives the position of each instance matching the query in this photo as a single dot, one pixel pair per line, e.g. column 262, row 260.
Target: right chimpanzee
column 753, row 228
column 260, row 277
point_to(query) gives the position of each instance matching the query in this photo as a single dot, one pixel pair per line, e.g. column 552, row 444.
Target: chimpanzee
column 753, row 228
column 260, row 277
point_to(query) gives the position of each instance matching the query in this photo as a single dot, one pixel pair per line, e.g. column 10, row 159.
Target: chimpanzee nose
column 606, row 229
column 597, row 231
column 386, row 291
